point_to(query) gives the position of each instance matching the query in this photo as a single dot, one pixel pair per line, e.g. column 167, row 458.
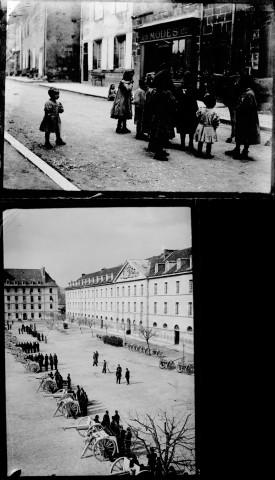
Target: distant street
column 96, row 158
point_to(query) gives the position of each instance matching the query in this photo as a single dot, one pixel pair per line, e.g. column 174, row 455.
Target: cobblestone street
column 96, row 158
column 36, row 441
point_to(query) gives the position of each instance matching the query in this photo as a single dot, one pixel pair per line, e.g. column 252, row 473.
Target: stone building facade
column 156, row 292
column 29, row 294
column 46, row 39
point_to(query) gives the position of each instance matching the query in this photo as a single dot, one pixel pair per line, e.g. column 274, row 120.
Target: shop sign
column 163, row 33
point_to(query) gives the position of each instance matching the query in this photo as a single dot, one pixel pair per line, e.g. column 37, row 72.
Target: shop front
column 175, row 43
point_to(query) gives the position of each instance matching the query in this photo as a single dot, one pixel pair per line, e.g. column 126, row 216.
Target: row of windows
column 156, row 307
column 119, row 52
column 24, row 306
column 17, row 315
column 29, row 299
column 122, row 290
column 27, row 290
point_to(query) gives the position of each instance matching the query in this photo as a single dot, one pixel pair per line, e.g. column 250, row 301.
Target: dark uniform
column 46, row 362
column 128, row 439
column 127, row 376
column 55, row 361
column 106, row 420
column 118, row 374
column 104, row 367
column 51, row 361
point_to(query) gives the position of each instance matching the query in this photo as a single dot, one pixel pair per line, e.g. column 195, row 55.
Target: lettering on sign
column 129, row 272
column 161, row 34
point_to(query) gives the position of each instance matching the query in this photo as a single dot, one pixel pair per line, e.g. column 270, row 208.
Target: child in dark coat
column 51, row 122
column 122, row 106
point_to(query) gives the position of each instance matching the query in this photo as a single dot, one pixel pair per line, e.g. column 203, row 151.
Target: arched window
column 165, row 325
column 139, row 322
column 155, row 324
column 122, row 320
column 111, row 319
column 189, row 329
column 176, row 327
column 23, row 281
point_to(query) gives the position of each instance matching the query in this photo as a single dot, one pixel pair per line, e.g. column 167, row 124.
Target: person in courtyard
column 247, row 129
column 187, row 108
column 106, row 420
column 208, row 123
column 128, row 441
column 146, row 119
column 127, row 376
column 121, row 441
column 114, row 427
column 69, row 381
column 51, row 122
column 78, row 392
column 96, row 419
column 162, row 107
column 104, row 366
column 46, row 362
column 112, row 92
column 122, row 106
column 94, row 359
column 116, row 417
column 139, row 102
column 55, row 361
column 51, row 361
column 118, row 374
column 46, row 340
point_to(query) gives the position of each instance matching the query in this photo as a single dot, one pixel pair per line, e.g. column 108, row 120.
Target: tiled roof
column 172, row 257
column 27, row 274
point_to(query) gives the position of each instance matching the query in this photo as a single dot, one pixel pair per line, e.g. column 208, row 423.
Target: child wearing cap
column 51, row 122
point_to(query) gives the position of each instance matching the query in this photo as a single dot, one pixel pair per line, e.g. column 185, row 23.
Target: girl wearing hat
column 51, row 122
column 122, row 106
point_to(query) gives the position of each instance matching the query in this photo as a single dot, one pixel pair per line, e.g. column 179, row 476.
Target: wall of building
column 34, row 302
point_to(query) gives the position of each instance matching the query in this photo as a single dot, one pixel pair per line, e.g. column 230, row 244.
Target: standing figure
column 208, row 122
column 146, row 120
column 162, row 109
column 104, row 366
column 128, row 439
column 51, row 361
column 46, row 362
column 40, row 361
column 187, row 108
column 69, row 381
column 139, row 102
column 55, row 361
column 94, row 359
column 247, row 129
column 51, row 122
column 118, row 374
column 106, row 420
column 42, row 337
column 152, row 458
column 122, row 106
column 116, row 417
column 127, row 376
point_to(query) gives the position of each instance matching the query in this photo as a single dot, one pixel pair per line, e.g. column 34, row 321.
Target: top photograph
column 139, row 96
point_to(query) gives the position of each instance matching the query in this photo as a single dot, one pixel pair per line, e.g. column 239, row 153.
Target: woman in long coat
column 122, row 106
column 247, row 121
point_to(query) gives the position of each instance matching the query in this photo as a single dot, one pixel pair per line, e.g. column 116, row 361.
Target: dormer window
column 15, row 282
column 156, row 268
column 178, row 263
column 102, row 278
column 38, row 282
column 7, row 281
column 23, row 282
column 167, row 266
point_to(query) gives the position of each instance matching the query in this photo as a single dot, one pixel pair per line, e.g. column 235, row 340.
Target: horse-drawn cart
column 178, row 364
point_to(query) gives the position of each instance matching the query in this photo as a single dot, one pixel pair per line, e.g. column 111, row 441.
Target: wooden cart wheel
column 83, row 425
column 104, row 448
column 190, row 369
column 161, row 364
column 70, row 409
column 50, row 386
column 118, row 465
column 179, row 368
column 171, row 364
column 96, row 427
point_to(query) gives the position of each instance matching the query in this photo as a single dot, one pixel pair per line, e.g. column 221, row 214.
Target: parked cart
column 85, row 426
column 102, row 445
column 185, row 367
column 122, row 466
column 168, row 364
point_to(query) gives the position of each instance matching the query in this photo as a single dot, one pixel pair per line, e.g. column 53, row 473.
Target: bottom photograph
column 99, row 341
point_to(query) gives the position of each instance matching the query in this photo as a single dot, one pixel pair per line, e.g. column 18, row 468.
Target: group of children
column 200, row 124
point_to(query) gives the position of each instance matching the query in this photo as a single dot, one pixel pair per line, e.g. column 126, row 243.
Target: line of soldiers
column 124, row 437
column 29, row 347
column 31, row 330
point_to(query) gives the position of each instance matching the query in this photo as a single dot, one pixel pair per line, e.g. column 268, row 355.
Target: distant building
column 29, row 294
column 106, row 41
column 156, row 292
column 43, row 39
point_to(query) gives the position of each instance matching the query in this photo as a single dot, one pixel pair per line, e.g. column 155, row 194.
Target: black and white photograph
column 99, row 327
column 139, row 96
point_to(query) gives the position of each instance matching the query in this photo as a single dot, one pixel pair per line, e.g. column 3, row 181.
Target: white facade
column 103, row 23
column 135, row 295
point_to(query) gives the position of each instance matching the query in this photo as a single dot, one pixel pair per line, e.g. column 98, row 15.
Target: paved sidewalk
column 97, row 91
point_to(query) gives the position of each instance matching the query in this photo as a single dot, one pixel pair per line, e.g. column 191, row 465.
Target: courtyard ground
column 36, row 441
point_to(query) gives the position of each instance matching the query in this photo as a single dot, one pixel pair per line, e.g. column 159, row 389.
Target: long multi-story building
column 156, row 293
column 29, row 294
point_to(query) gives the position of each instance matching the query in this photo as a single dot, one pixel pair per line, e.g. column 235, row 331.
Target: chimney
column 83, row 274
column 43, row 274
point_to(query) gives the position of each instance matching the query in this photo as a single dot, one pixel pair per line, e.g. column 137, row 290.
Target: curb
column 74, row 91
column 43, row 166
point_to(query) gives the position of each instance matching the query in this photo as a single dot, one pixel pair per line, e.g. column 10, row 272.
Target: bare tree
column 147, row 333
column 173, row 439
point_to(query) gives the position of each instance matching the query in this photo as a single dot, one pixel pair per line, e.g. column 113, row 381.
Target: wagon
column 32, row 367
column 185, row 367
column 102, row 445
column 122, row 466
column 168, row 364
column 85, row 426
column 67, row 405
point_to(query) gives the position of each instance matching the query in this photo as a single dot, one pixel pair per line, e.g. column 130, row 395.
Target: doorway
column 177, row 335
column 85, row 63
column 155, row 54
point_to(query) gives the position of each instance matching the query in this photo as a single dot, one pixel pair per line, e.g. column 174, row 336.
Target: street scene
column 145, row 71
column 101, row 387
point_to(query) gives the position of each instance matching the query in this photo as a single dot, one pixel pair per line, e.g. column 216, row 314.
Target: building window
column 51, row 290
column 177, row 287
column 32, row 307
column 165, row 307
column 155, row 288
column 141, row 289
column 135, row 306
column 141, row 307
column 39, row 299
column 105, row 292
column 8, row 290
column 39, row 306
column 128, row 306
column 190, row 286
column 101, row 292
column 117, row 291
column 155, row 307
column 32, row 299
column 111, row 306
column 119, row 51
column 97, row 45
column 135, row 289
column 100, row 305
column 98, row 10
column 24, row 307
column 16, row 298
column 165, row 287
column 32, row 315
column 123, row 306
column 111, row 292
column 8, row 299
column 117, row 307
column 39, row 290
column 129, row 291
column 178, row 57
column 177, row 306
column 9, row 307
column 123, row 291
column 189, row 329
column 165, row 325
column 155, row 324
column 190, row 308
